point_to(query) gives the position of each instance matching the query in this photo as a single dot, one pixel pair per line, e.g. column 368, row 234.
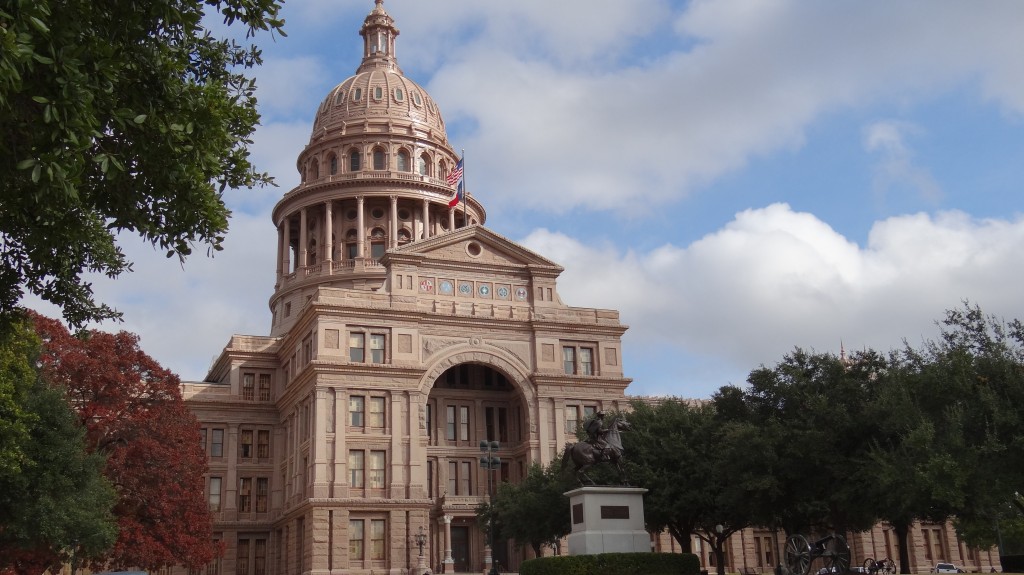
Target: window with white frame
column 356, row 468
column 376, row 417
column 356, row 410
column 578, row 359
column 365, row 346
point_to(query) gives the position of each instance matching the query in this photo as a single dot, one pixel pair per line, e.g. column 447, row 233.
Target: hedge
column 614, row 564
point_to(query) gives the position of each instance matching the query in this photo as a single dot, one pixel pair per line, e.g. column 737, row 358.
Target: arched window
column 351, row 244
column 354, row 160
column 357, row 95
column 423, row 165
column 378, row 93
column 378, row 160
column 403, row 161
column 442, row 169
column 377, row 245
column 334, row 164
column 314, row 170
column 404, row 236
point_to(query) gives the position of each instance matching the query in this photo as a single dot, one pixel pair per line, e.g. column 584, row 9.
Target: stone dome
column 379, row 91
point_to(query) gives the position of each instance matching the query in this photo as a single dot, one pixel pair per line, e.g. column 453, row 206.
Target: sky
column 737, row 178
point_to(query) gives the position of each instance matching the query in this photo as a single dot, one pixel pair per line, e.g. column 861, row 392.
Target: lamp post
column 421, row 540
column 490, row 462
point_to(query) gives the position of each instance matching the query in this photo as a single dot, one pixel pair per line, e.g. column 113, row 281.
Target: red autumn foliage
column 134, row 413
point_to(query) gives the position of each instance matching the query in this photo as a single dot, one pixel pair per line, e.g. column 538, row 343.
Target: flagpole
column 465, row 191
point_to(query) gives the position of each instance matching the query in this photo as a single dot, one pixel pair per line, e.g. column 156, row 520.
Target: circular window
column 404, row 214
column 350, row 215
column 473, row 249
column 377, row 213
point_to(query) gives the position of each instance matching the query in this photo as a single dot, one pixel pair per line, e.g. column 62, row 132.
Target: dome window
column 314, row 170
column 357, row 95
column 377, row 214
column 378, row 160
column 416, row 99
column 423, row 165
column 354, row 160
column 378, row 93
column 404, row 236
column 399, row 95
column 403, row 161
column 334, row 164
column 404, row 214
column 339, row 97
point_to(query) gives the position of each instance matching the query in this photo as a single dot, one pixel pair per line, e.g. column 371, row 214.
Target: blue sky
column 736, row 177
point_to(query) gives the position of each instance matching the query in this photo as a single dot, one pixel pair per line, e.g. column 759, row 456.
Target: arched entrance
column 472, row 402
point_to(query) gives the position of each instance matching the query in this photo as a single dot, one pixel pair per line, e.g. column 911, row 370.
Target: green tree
column 55, row 505
column 678, row 451
column 123, row 115
column 534, row 512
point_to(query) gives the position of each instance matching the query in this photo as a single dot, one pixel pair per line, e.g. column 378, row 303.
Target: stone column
column 360, row 228
column 449, row 563
column 329, row 235
column 287, row 263
column 426, row 219
column 303, row 230
column 319, row 438
column 393, row 227
column 451, row 218
column 280, row 252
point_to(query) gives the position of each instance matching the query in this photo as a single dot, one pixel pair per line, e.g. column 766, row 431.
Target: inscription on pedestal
column 614, row 512
column 577, row 513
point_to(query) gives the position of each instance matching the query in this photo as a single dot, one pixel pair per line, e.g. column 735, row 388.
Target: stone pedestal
column 607, row 520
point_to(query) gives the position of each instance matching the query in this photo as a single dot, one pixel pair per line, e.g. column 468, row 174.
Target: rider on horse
column 596, row 433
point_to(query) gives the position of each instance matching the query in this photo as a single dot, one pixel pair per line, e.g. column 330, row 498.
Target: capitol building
column 403, row 332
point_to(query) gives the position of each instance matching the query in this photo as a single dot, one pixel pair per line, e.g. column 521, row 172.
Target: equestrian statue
column 602, row 445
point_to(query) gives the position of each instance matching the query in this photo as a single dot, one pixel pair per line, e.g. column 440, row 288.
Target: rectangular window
column 453, row 478
column 569, row 359
column 578, row 360
column 264, row 390
column 249, row 386
column 450, row 423
column 215, row 493
column 463, row 423
column 377, row 473
column 355, row 468
column 217, row 443
column 572, row 418
column 242, row 557
column 465, row 469
column 356, row 343
column 430, row 421
column 262, row 493
column 377, row 347
column 307, row 349
column 377, row 539
column 202, row 439
column 377, row 412
column 260, row 557
column 586, row 361
column 245, row 494
column 245, row 444
column 263, row 444
column 356, row 410
column 589, row 411
column 355, row 540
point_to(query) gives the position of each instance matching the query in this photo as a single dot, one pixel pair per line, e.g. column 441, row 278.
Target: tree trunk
column 719, row 550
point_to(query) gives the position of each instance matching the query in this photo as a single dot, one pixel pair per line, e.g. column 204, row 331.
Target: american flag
column 455, row 174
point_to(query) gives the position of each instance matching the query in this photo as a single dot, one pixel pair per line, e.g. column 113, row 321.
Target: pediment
column 473, row 245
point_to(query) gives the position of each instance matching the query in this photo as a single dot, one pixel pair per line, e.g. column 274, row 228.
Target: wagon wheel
column 869, row 566
column 798, row 555
column 837, row 554
column 888, row 567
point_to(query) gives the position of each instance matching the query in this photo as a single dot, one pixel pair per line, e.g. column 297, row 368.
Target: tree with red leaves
column 134, row 414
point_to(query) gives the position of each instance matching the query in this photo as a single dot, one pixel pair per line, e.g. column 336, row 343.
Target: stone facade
column 403, row 334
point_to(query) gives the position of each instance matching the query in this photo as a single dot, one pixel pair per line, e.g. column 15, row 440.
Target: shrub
column 614, row 564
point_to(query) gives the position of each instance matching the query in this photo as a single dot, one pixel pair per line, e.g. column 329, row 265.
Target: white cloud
column 758, row 76
column 773, row 279
column 896, row 166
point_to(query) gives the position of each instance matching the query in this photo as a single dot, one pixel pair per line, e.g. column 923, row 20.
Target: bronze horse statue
column 584, row 455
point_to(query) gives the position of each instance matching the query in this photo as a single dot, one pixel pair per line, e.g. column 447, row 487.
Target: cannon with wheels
column 831, row 549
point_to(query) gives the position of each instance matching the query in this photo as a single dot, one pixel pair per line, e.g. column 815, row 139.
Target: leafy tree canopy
column 55, row 504
column 535, row 511
column 122, row 115
column 135, row 415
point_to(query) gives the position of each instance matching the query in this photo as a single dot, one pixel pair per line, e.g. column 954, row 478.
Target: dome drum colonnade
column 361, row 193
